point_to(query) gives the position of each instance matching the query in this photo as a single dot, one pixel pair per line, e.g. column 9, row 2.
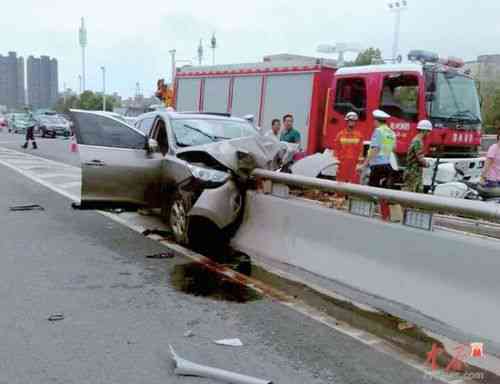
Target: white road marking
column 132, row 221
column 52, row 175
column 72, row 184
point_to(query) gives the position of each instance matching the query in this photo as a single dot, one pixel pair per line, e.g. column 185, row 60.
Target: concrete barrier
column 451, row 277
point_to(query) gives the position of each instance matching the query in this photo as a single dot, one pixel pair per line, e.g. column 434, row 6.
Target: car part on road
column 187, row 368
column 189, row 333
column 22, row 208
column 56, row 317
column 157, row 232
column 162, row 255
column 229, row 342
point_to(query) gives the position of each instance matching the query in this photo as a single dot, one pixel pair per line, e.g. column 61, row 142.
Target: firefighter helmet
column 352, row 116
column 424, row 125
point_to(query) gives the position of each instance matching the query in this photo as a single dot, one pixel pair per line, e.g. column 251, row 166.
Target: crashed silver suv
column 194, row 167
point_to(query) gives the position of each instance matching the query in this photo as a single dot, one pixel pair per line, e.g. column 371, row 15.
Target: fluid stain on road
column 198, row 280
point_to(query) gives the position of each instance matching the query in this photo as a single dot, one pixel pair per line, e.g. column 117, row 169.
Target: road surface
column 122, row 310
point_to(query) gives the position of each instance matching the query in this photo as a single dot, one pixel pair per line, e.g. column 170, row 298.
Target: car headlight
column 211, row 176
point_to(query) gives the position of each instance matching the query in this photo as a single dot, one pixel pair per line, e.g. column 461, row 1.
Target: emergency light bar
column 431, row 57
column 453, row 62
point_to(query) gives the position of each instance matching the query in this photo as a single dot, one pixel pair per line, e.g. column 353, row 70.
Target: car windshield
column 51, row 120
column 191, row 132
column 455, row 98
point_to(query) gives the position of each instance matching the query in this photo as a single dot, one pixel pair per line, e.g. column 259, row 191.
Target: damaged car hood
column 240, row 155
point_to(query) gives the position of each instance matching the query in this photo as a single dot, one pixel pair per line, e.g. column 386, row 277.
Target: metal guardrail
column 476, row 209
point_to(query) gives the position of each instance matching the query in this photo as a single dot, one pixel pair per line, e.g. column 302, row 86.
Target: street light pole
column 396, row 6
column 103, row 69
column 80, row 83
column 174, row 65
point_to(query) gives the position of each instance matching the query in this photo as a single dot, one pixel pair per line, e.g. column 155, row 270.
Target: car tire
column 175, row 214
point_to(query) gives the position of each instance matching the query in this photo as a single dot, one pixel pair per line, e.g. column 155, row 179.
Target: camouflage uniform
column 413, row 177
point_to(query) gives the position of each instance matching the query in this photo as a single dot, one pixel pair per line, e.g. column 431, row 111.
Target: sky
column 132, row 39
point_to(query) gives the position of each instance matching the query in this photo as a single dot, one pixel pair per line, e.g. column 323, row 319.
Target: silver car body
column 126, row 164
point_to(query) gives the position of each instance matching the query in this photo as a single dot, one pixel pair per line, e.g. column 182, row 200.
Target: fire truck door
column 348, row 94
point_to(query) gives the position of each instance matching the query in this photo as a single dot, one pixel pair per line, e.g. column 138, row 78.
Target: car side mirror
column 152, row 145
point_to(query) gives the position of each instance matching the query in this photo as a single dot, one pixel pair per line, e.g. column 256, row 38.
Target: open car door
column 117, row 167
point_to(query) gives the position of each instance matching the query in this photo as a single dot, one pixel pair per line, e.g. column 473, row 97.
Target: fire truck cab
column 428, row 88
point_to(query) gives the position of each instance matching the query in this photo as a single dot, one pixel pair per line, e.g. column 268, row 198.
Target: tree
column 368, row 56
column 88, row 100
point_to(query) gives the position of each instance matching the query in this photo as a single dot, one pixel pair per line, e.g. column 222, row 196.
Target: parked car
column 52, row 126
column 194, row 167
column 3, row 122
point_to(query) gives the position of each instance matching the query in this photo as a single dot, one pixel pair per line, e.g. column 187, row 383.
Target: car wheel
column 176, row 215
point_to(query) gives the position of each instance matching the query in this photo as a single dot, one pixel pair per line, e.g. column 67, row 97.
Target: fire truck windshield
column 455, row 98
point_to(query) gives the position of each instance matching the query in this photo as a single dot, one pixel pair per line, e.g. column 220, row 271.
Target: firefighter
column 415, row 161
column 381, row 150
column 348, row 147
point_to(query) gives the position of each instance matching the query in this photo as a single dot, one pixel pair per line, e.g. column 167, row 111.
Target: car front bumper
column 219, row 205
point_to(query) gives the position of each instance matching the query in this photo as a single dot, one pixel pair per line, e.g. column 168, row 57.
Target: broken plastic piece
column 187, row 368
column 158, row 232
column 162, row 255
column 229, row 342
column 189, row 333
column 21, row 208
column 56, row 317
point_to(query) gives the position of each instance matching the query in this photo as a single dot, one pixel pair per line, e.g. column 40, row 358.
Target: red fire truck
column 319, row 96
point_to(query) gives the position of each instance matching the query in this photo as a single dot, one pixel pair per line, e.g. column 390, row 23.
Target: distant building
column 486, row 68
column 43, row 82
column 12, row 93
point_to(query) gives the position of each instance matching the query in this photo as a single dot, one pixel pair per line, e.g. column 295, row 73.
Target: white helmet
column 352, row 116
column 380, row 115
column 424, row 125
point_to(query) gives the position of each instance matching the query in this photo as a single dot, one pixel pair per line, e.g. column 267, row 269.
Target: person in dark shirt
column 289, row 134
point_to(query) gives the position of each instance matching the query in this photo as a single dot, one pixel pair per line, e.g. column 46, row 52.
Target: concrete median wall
column 450, row 277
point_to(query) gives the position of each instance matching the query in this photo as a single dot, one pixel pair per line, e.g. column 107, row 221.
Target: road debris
column 56, row 317
column 189, row 333
column 187, row 368
column 158, row 232
column 163, row 255
column 229, row 342
column 22, row 208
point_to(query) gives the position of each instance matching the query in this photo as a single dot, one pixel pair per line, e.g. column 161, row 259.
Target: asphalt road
column 54, row 149
column 122, row 310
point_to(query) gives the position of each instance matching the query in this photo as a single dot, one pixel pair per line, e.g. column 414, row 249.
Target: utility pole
column 213, row 45
column 396, row 6
column 103, row 69
column 80, row 83
column 64, row 92
column 174, row 65
column 83, row 45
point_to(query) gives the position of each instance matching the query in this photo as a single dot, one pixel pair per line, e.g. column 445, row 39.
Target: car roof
column 188, row 115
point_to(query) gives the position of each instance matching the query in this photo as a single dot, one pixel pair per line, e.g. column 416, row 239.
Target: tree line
column 88, row 100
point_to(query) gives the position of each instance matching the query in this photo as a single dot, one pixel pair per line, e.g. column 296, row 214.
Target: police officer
column 30, row 132
column 415, row 161
column 382, row 145
column 348, row 147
